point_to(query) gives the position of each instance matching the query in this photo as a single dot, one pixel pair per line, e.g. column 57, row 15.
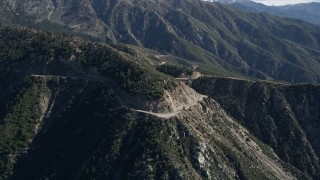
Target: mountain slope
column 218, row 38
column 91, row 136
column 283, row 116
column 69, row 116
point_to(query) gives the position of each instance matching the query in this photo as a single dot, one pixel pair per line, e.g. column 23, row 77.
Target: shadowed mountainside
column 284, row 116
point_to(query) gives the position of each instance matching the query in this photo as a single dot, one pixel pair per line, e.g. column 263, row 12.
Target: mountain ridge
column 218, row 38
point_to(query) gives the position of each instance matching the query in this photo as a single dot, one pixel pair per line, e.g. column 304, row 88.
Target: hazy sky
column 283, row 2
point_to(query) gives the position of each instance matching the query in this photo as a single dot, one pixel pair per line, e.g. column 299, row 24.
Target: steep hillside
column 72, row 109
column 283, row 116
column 80, row 130
column 218, row 38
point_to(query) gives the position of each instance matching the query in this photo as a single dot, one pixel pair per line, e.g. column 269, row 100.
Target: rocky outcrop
column 276, row 113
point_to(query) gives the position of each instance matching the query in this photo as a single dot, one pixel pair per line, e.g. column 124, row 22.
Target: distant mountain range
column 309, row 12
column 220, row 39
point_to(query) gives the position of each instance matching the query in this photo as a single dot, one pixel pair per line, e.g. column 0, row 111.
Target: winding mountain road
column 172, row 114
column 100, row 79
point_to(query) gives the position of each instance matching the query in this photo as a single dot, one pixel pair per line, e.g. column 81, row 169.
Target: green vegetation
column 29, row 51
column 17, row 44
column 131, row 77
column 17, row 129
column 84, row 116
column 91, row 136
column 174, row 71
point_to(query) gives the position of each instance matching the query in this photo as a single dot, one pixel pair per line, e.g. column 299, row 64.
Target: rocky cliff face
column 276, row 113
